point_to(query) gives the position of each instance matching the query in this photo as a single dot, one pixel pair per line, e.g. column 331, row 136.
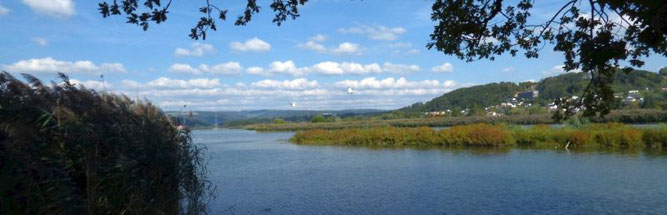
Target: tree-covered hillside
column 481, row 95
column 565, row 85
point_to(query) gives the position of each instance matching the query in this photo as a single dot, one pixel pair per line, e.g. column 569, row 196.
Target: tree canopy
column 595, row 36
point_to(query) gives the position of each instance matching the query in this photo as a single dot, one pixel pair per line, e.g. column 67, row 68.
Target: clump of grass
column 609, row 135
column 69, row 150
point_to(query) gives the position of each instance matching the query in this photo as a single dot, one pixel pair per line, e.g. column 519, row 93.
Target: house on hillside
column 438, row 113
column 552, row 107
column 528, row 95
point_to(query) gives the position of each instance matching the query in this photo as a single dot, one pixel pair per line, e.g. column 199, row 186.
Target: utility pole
column 104, row 86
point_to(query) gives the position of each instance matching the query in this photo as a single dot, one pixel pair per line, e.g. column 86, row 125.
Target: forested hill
column 564, row 85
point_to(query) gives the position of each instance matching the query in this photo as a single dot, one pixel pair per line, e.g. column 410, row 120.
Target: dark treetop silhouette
column 595, row 36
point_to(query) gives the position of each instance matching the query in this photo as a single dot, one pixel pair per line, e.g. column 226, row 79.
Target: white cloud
column 229, row 68
column 4, row 10
column 312, row 45
column 257, row 71
column 54, row 8
column 164, row 82
column 399, row 68
column 391, row 83
column 332, row 68
column 508, row 69
column 348, row 48
column 403, row 47
column 287, row 67
column 557, row 70
column 254, row 45
column 447, row 67
column 342, row 48
column 41, row 41
column 90, row 84
column 300, row 83
column 377, row 32
column 131, row 84
column 50, row 65
column 318, row 38
column 197, row 49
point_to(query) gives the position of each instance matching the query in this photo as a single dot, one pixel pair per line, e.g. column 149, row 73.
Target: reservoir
column 261, row 173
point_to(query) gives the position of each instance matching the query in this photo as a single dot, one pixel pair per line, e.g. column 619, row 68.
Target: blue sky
column 376, row 47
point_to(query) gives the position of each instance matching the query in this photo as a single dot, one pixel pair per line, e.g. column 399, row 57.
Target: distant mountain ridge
column 565, row 85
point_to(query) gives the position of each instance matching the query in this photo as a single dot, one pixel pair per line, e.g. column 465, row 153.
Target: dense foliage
column 69, row 150
column 594, row 37
column 156, row 11
column 610, row 135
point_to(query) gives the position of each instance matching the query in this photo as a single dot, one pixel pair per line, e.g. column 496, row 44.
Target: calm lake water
column 260, row 173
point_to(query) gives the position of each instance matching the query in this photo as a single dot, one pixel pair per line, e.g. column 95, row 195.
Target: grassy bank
column 608, row 135
column 69, row 150
column 622, row 116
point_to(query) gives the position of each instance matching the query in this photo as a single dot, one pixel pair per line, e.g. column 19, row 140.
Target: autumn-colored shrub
column 655, row 138
column 579, row 138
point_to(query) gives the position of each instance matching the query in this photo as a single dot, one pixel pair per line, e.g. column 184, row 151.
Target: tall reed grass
column 69, row 150
column 608, row 135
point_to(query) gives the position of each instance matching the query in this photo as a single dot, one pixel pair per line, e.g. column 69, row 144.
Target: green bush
column 68, row 150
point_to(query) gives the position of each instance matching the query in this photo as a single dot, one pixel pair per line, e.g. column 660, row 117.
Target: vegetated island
column 577, row 136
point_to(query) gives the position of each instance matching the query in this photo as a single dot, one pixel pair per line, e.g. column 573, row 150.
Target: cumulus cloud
column 446, row 67
column 257, row 71
column 4, row 10
column 392, row 83
column 332, row 68
column 50, row 65
column 348, row 48
column 314, row 44
column 377, row 32
column 300, row 83
column 251, row 45
column 41, row 41
column 229, row 68
column 90, row 84
column 399, row 68
column 197, row 49
column 403, row 47
column 164, row 82
column 54, row 8
column 286, row 67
